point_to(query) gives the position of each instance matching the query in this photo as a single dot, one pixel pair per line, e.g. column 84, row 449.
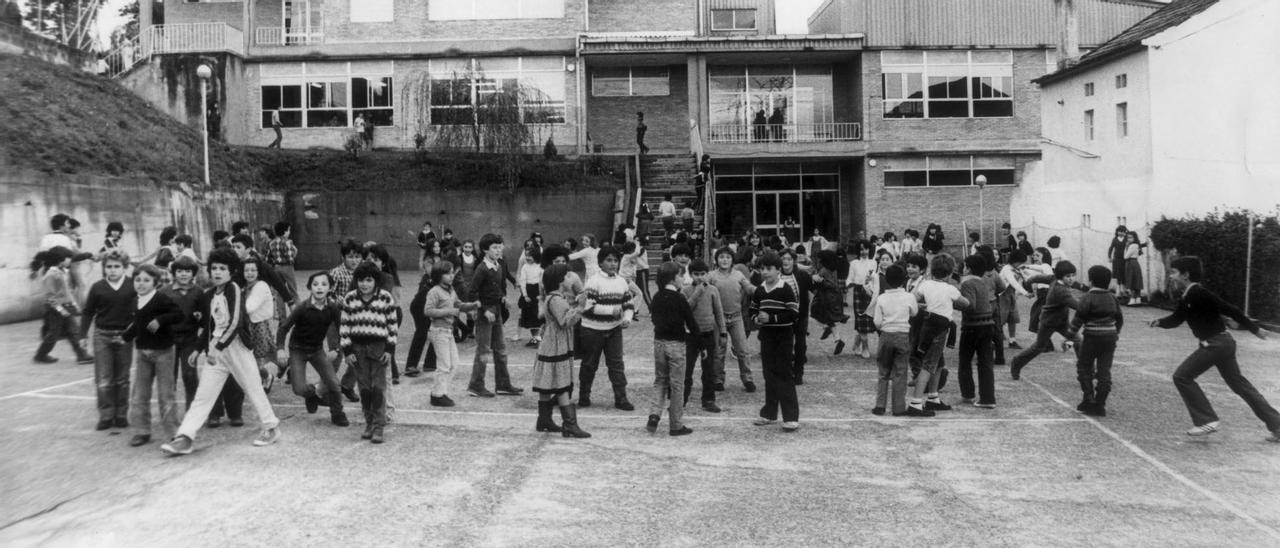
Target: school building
column 880, row 118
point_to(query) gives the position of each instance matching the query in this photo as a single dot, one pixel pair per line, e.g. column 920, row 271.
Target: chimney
column 1067, row 22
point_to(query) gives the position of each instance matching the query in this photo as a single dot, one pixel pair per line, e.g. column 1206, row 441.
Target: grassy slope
column 58, row 119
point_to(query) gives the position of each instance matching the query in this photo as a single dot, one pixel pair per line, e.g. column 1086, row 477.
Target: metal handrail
column 786, row 133
column 277, row 36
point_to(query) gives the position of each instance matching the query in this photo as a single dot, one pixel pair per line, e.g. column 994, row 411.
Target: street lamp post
column 981, row 181
column 204, row 72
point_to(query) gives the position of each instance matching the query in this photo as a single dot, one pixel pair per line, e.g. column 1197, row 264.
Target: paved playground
column 1032, row 472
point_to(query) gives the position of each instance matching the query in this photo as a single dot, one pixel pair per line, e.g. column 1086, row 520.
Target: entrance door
column 778, row 213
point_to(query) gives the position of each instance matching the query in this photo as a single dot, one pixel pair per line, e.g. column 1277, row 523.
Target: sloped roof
column 1172, row 15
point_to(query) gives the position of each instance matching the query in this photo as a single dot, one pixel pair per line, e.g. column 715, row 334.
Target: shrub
column 1220, row 239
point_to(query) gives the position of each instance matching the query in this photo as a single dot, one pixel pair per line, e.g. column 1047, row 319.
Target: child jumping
column 60, row 305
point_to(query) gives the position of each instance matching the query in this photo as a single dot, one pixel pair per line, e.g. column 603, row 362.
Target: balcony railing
column 293, row 36
column 182, row 38
column 786, row 133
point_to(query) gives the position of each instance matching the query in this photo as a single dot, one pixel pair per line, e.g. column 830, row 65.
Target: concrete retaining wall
column 29, row 198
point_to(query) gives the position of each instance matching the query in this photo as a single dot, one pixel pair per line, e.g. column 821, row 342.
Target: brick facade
column 612, row 120
column 649, row 15
column 412, row 23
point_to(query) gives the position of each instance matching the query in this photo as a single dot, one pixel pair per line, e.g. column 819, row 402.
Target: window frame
column 327, row 78
column 755, row 25
column 1122, row 119
column 477, row 14
column 1089, row 123
column 475, row 88
column 972, row 172
column 945, row 69
column 1122, row 80
column 631, row 82
column 1088, row 89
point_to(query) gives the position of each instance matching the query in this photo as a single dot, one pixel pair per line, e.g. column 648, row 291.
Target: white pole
column 204, row 72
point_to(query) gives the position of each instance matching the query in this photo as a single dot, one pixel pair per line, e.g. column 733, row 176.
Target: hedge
column 1220, row 239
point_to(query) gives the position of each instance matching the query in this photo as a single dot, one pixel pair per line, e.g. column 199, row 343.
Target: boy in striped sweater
column 776, row 308
column 366, row 332
column 608, row 310
column 1100, row 316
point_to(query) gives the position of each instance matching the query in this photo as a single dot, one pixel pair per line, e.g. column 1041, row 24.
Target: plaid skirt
column 261, row 341
column 862, row 322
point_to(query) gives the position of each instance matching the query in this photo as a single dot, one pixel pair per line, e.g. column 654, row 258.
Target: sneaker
column 1275, row 436
column 1015, row 372
column 584, row 401
column 710, row 407
column 918, row 412
column 395, row 380
column 1083, row 405
column 267, row 437
column 839, row 348
column 719, row 386
column 624, row 405
column 510, row 391
column 936, row 406
column 179, row 445
column 368, row 432
column 877, row 411
column 652, row 424
column 312, row 402
column 866, row 353
column 412, row 373
column 268, row 380
column 236, row 422
column 1014, row 345
column 441, row 401
column 826, row 333
column 339, row 419
column 46, row 359
column 1204, row 429
column 140, row 439
column 103, row 425
column 1096, row 410
column 682, row 431
column 213, row 422
column 84, row 360
column 790, row 426
column 533, row 343
column 350, row 394
column 479, row 393
column 749, row 386
column 966, row 400
column 761, row 421
column 376, row 435
column 984, row 405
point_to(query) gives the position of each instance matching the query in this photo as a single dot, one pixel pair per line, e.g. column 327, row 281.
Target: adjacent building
column 880, row 118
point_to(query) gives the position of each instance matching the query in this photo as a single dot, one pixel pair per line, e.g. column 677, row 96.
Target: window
column 373, row 11
column 454, row 10
column 939, row 171
column 326, row 94
column 766, row 103
column 744, row 19
column 1088, row 125
column 1122, row 119
column 497, row 91
column 947, row 84
column 1122, row 81
column 1088, row 89
column 630, row 82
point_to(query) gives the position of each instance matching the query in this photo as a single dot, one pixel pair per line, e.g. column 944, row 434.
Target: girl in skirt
column 828, row 297
column 260, row 305
column 529, row 279
column 553, row 368
column 1133, row 281
column 862, row 275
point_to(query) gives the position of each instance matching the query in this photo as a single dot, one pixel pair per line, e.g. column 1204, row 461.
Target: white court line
column 61, row 397
column 743, row 418
column 46, row 389
column 1166, row 469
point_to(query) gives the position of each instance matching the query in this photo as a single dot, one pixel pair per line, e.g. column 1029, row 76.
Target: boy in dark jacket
column 1099, row 315
column 1054, row 316
column 673, row 324
column 154, row 314
column 776, row 309
column 109, row 309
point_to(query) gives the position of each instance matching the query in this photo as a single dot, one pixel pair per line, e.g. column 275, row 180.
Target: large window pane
column 291, row 96
column 950, row 178
column 999, row 177
column 721, row 19
column 992, row 109
column 905, row 178
column 732, row 183
column 778, row 182
column 734, row 214
column 327, row 118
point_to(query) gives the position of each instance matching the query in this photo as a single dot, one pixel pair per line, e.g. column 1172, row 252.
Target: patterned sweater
column 365, row 322
column 1099, row 313
column 778, row 302
column 612, row 297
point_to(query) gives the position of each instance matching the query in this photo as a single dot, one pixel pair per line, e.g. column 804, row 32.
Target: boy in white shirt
column 939, row 298
column 892, row 315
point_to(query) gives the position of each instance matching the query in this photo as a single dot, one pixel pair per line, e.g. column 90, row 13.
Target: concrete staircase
column 661, row 175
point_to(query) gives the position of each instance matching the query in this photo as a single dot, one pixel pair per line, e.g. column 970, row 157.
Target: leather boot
column 545, row 423
column 334, row 401
column 569, row 416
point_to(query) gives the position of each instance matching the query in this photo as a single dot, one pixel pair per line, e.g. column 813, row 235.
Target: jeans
column 892, row 357
column 738, row 339
column 154, row 366
column 779, row 387
column 489, row 339
column 694, row 347
column 236, row 362
column 1093, row 367
column 977, row 339
column 1220, row 351
column 184, row 345
column 799, row 355
column 56, row 326
column 609, row 343
column 1043, row 343
column 446, row 359
column 668, row 380
column 371, row 375
column 111, row 360
column 319, row 360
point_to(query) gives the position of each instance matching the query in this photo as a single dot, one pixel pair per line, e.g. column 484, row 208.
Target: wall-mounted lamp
column 871, row 162
column 571, row 67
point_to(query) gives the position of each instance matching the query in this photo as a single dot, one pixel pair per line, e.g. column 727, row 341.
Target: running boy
column 776, row 308
column 311, row 321
column 1058, row 304
column 1203, row 311
column 224, row 343
column 109, row 309
column 151, row 335
column 1100, row 316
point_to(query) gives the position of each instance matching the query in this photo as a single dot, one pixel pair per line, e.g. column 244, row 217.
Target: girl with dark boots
column 553, row 368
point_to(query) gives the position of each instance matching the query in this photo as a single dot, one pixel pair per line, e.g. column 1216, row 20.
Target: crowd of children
column 229, row 325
